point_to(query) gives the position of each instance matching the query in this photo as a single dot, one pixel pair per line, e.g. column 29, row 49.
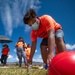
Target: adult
column 20, row 47
column 5, row 53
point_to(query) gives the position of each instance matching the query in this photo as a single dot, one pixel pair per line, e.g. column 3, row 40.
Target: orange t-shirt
column 46, row 23
column 27, row 52
column 20, row 44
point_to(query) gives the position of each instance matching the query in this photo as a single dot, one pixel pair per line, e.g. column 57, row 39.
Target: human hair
column 21, row 38
column 28, row 44
column 5, row 45
column 29, row 15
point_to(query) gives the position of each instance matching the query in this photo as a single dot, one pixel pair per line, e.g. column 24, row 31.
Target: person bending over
column 49, row 30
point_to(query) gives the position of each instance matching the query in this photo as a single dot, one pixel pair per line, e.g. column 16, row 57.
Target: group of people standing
column 22, row 50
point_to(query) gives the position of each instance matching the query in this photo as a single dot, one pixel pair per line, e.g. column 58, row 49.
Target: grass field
column 22, row 71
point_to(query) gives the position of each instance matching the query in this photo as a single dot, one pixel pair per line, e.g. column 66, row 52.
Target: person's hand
column 49, row 58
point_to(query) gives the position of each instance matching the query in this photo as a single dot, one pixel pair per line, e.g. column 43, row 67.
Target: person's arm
column 2, row 50
column 33, row 47
column 51, row 44
column 8, row 52
column 25, row 45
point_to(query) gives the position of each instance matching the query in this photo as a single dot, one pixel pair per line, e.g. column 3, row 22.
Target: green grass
column 22, row 71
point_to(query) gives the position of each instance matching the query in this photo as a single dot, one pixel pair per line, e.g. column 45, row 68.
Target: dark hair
column 28, row 45
column 29, row 15
column 5, row 45
column 20, row 38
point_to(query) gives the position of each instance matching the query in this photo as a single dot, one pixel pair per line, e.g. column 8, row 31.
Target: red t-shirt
column 46, row 23
column 5, row 51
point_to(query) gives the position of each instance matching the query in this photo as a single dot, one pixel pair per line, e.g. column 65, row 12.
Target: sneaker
column 46, row 66
column 30, row 66
column 19, row 65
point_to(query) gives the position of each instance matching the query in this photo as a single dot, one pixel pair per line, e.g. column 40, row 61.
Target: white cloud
column 10, row 57
column 35, row 51
column 33, row 4
column 38, row 58
column 7, row 20
column 12, row 12
column 68, row 46
column 15, row 50
column 17, row 58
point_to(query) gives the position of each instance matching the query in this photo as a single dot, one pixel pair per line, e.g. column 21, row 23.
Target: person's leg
column 24, row 57
column 44, row 54
column 44, row 51
column 19, row 54
column 5, row 59
column 60, row 41
column 2, row 58
column 20, row 58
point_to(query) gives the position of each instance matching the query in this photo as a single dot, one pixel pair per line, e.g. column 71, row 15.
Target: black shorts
column 44, row 42
column 58, row 34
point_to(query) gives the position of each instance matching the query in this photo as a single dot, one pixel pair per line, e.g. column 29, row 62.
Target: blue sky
column 12, row 26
